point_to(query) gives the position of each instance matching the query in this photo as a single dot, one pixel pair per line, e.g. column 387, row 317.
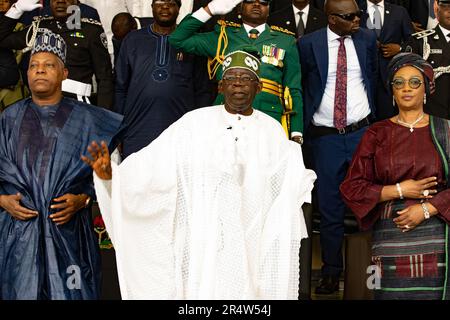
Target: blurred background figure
column 155, row 83
column 12, row 88
column 122, row 24
column 107, row 9
column 301, row 18
column 434, row 46
column 422, row 13
column 392, row 25
column 143, row 8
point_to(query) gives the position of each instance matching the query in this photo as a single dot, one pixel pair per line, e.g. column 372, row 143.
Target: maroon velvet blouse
column 389, row 153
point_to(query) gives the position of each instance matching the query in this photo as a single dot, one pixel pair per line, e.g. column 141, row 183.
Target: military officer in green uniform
column 87, row 52
column 434, row 46
column 280, row 70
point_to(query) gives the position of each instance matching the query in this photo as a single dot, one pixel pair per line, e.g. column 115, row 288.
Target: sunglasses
column 244, row 79
column 348, row 16
column 261, row 2
column 399, row 83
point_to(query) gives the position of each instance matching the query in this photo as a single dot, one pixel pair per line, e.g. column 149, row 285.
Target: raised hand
column 221, row 7
column 11, row 203
column 27, row 5
column 100, row 160
column 21, row 6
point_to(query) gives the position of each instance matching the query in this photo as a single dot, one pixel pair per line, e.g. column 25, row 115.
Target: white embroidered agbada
column 211, row 209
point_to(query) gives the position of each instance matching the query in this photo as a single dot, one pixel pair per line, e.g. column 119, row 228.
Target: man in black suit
column 300, row 18
column 392, row 25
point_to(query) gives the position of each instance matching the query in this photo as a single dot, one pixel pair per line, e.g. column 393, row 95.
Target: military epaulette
column 225, row 23
column 91, row 21
column 423, row 34
column 42, row 18
column 279, row 29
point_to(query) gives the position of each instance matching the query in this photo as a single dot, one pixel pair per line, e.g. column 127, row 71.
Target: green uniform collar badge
column 243, row 60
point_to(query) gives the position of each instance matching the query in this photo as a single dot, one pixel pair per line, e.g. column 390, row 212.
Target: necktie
column 340, row 98
column 253, row 34
column 431, row 8
column 377, row 20
column 300, row 26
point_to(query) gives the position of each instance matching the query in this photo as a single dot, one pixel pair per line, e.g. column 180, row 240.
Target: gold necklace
column 410, row 125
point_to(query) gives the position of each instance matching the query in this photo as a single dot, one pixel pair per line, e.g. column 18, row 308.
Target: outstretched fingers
column 105, row 151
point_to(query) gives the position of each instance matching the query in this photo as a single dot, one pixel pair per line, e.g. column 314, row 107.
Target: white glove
column 221, row 7
column 21, row 6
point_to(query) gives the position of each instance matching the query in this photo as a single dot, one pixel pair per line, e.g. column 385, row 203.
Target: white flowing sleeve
column 285, row 228
column 138, row 207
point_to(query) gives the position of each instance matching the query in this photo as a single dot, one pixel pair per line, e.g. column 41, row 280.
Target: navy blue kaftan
column 40, row 150
column 156, row 84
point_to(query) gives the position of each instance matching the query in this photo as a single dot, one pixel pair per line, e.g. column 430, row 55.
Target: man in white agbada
column 211, row 209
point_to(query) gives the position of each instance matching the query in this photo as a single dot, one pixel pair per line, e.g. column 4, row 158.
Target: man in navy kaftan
column 48, row 249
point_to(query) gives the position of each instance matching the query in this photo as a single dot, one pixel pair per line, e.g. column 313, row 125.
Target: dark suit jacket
column 396, row 28
column 86, row 12
column 418, row 10
column 277, row 5
column 285, row 19
column 313, row 50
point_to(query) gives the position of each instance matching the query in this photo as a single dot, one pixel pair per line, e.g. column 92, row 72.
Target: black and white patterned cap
column 50, row 42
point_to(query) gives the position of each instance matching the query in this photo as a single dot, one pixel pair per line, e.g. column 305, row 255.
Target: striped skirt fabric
column 412, row 265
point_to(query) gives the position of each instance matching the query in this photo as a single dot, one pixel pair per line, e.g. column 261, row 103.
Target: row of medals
column 273, row 55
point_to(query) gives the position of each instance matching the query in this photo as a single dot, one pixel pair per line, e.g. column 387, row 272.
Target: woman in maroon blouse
column 398, row 185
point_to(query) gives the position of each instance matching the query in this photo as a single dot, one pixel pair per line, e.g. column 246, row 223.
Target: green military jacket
column 287, row 73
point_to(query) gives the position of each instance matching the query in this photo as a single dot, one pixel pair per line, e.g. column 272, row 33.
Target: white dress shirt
column 357, row 100
column 371, row 10
column 304, row 15
column 446, row 33
column 261, row 28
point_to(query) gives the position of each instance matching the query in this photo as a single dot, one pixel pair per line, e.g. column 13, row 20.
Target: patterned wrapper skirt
column 413, row 264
